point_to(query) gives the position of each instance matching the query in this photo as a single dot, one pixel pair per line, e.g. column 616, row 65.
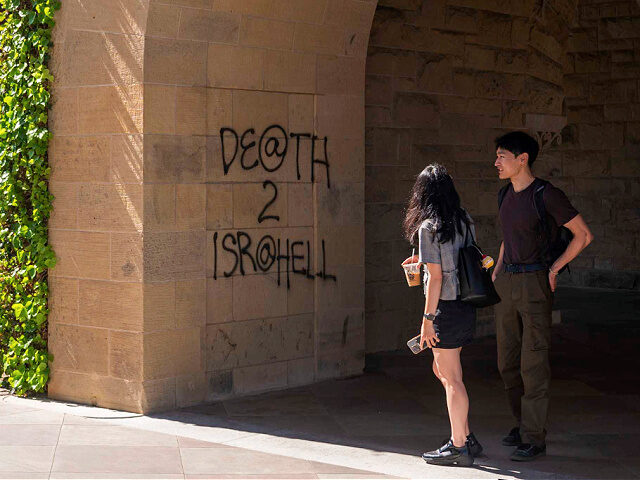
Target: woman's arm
column 432, row 297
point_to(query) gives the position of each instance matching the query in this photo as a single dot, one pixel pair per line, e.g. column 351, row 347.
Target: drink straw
column 413, row 251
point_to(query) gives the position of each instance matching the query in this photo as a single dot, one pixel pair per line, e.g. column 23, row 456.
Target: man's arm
column 582, row 237
column 499, row 263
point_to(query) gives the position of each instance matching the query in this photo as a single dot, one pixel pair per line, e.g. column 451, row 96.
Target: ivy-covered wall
column 25, row 201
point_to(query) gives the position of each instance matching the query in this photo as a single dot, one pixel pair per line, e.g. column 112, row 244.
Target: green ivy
column 25, row 201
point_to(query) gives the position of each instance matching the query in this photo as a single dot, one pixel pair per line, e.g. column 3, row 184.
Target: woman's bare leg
column 447, row 364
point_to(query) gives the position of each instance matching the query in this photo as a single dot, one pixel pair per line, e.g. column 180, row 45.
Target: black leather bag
column 476, row 286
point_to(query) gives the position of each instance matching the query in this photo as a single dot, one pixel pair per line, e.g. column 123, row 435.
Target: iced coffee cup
column 412, row 272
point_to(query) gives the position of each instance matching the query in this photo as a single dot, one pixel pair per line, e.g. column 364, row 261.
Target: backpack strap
column 538, row 203
column 501, row 194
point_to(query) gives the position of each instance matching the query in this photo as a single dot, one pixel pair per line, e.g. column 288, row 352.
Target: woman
column 436, row 222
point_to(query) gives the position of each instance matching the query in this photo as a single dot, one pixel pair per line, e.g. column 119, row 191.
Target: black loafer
column 527, row 452
column 513, row 439
column 449, row 455
column 474, row 445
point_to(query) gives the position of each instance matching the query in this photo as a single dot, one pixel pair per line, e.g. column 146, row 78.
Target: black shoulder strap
column 501, row 194
column 538, row 201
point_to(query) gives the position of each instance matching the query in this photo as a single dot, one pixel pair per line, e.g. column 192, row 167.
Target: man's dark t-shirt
column 523, row 242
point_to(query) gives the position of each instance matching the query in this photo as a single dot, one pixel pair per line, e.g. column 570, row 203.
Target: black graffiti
column 262, row 217
column 267, row 252
column 272, row 147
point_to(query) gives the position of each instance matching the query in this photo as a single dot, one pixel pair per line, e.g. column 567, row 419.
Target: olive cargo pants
column 523, row 330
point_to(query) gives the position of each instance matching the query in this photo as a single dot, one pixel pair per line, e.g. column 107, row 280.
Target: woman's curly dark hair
column 434, row 198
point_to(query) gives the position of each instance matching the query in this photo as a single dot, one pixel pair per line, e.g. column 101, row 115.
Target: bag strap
column 501, row 194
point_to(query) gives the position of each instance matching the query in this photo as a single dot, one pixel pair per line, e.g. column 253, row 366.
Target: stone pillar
column 201, row 150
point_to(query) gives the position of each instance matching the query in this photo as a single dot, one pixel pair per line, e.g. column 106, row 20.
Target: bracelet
column 555, row 274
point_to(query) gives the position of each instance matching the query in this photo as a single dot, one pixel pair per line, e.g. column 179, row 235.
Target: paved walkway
column 372, row 426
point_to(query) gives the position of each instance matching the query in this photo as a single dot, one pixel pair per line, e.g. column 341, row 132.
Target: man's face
column 508, row 164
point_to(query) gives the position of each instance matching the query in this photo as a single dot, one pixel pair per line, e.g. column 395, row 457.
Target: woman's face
column 508, row 164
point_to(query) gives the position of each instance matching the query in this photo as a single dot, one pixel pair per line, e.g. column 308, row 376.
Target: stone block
column 158, row 395
column 175, row 62
column 290, row 72
column 171, row 353
column 300, row 297
column 100, row 59
column 125, row 355
column 63, row 301
column 174, row 159
column 110, row 207
column 190, row 206
column 191, row 111
column 541, row 67
column 174, row 255
column 219, row 384
column 546, row 44
column 219, row 114
column 594, row 136
column 202, row 4
column 235, row 67
column 461, row 19
column 79, row 159
column 219, row 206
column 126, row 257
column 260, row 378
column 259, row 110
column 493, row 29
column 435, row 73
column 378, row 90
column 301, row 113
column 109, row 110
column 79, row 349
column 300, row 204
column 209, row 26
column 481, row 57
column 191, row 389
column 380, row 61
column 340, row 75
column 159, row 207
column 219, row 300
column 378, row 116
column 382, row 221
column 351, row 14
column 159, row 306
column 415, row 110
column 191, row 303
column 264, row 33
column 608, row 91
column 160, row 109
column 250, row 201
column 346, row 159
column 80, row 254
column 345, row 246
column 259, row 296
column 347, row 291
column 63, row 115
column 126, row 159
column 297, row 334
column 103, row 391
column 512, row 61
column 342, row 205
column 121, row 17
column 544, row 97
column 323, row 39
column 163, row 20
column 300, row 371
column 65, row 205
column 114, row 305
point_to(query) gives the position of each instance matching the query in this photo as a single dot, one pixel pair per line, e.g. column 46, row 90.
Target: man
column 525, row 278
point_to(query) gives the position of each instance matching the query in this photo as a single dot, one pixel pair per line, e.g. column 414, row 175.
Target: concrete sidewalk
column 372, row 426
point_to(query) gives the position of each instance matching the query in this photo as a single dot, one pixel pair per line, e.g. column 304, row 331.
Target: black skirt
column 456, row 323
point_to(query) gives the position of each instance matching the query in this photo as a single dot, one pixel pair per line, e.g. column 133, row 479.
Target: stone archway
column 149, row 218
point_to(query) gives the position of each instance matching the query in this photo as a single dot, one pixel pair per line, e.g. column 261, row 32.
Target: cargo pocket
column 540, row 332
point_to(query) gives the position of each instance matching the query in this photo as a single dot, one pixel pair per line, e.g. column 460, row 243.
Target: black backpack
column 554, row 246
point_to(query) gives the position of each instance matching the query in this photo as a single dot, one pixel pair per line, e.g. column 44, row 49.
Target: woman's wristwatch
column 430, row 316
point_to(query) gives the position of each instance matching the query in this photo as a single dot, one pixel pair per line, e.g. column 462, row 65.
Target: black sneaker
column 513, row 439
column 527, row 452
column 474, row 445
column 450, row 455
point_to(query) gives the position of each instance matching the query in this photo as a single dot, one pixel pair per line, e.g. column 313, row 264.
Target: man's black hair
column 519, row 143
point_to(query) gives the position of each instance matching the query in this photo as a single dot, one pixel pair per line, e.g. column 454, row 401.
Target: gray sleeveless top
column 446, row 254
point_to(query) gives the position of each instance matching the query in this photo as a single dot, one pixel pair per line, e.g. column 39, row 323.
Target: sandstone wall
column 444, row 78
column 601, row 145
column 208, row 168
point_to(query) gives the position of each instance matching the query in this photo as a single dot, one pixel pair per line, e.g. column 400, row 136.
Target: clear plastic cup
column 412, row 272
